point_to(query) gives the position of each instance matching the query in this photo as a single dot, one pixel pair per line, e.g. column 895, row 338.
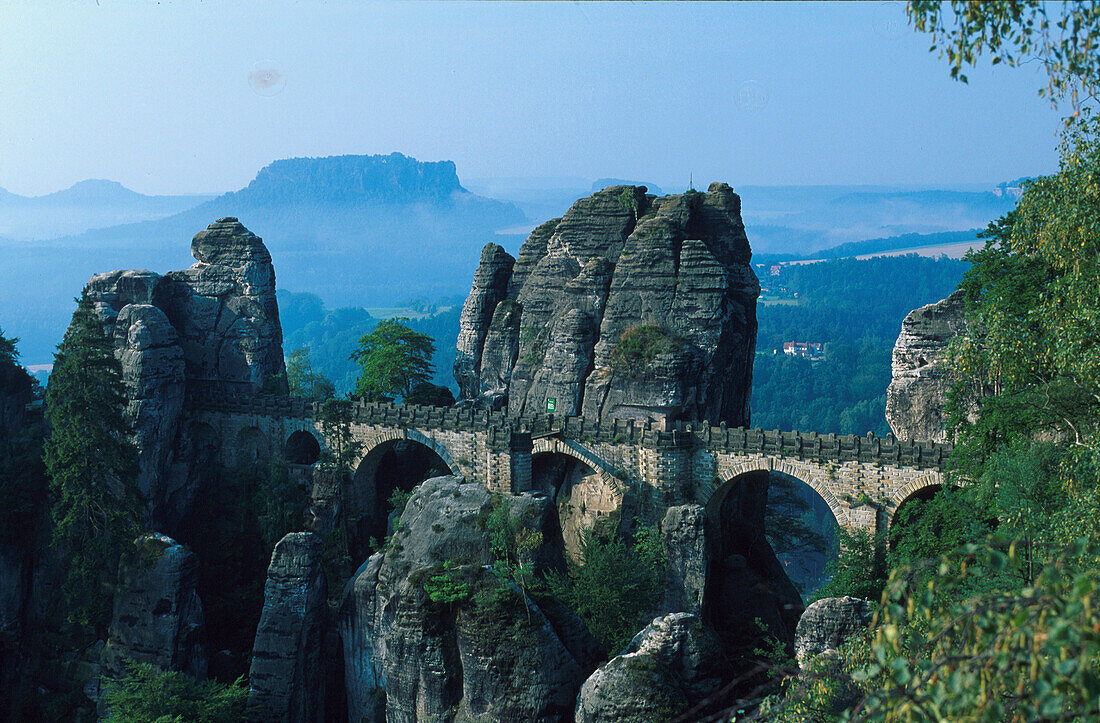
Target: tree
column 303, row 381
column 22, row 475
column 1064, row 37
column 393, row 359
column 146, row 693
column 92, row 466
column 620, row 583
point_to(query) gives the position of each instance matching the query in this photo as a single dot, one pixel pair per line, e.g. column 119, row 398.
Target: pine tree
column 393, row 359
column 92, row 466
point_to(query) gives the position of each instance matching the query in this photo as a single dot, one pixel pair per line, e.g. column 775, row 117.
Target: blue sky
column 158, row 97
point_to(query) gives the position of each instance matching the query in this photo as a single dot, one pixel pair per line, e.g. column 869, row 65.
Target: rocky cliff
column 917, row 396
column 428, row 642
column 212, row 326
column 628, row 306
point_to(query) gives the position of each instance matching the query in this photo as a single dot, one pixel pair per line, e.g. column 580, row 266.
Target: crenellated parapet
column 499, row 428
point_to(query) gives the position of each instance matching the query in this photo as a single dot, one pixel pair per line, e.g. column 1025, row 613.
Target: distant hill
column 85, row 205
column 897, row 243
column 355, row 230
column 605, row 182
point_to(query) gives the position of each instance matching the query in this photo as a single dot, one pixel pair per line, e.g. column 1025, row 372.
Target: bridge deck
column 642, row 433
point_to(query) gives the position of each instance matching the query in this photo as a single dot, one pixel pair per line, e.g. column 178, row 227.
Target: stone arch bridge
column 864, row 480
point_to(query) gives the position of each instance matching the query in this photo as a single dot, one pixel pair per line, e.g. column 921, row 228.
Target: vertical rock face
column 152, row 369
column 489, row 655
column 684, row 531
column 214, row 326
column 670, row 666
column 149, row 352
column 917, row 395
column 225, row 311
column 489, row 289
column 287, row 679
column 627, row 306
column 828, row 623
column 158, row 617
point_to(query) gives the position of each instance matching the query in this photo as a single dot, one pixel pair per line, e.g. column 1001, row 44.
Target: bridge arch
column 253, row 446
column 746, row 580
column 924, row 485
column 393, row 463
column 302, row 447
column 605, row 471
column 587, row 497
column 816, row 479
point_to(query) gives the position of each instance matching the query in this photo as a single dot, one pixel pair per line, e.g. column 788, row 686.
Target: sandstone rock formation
column 917, row 395
column 492, row 655
column 213, row 327
column 827, row 624
column 669, row 667
column 225, row 311
column 627, row 306
column 158, row 617
column 684, row 532
column 287, row 675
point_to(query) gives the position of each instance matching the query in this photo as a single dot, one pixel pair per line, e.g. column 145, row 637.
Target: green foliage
column 393, row 359
column 927, row 529
column 341, row 448
column 512, row 545
column 303, row 381
column 859, row 569
column 397, row 501
column 1064, row 37
column 447, row 586
column 1023, row 655
column 855, row 308
column 431, row 395
column 23, row 480
column 639, row 346
column 146, row 694
column 92, row 465
column 280, row 503
column 628, row 201
column 617, row 586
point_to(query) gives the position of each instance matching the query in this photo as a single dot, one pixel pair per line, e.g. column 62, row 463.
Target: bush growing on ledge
column 617, row 587
column 147, row 693
column 639, row 346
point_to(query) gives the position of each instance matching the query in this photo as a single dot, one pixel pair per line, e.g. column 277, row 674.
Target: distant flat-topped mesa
column 629, row 306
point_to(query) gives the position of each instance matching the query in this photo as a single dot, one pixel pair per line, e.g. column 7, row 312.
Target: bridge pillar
column 671, row 476
column 508, row 461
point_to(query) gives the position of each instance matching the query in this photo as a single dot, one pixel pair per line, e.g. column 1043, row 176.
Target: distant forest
column 854, row 308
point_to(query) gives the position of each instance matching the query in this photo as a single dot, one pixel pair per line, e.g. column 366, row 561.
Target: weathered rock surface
column 152, row 369
column 684, row 531
column 287, row 675
column 629, row 306
column 489, row 289
column 827, row 624
column 158, row 617
column 212, row 327
column 225, row 311
column 488, row 657
column 669, row 667
column 917, row 396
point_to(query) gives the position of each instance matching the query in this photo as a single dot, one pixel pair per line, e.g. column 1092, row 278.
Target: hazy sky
column 178, row 97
